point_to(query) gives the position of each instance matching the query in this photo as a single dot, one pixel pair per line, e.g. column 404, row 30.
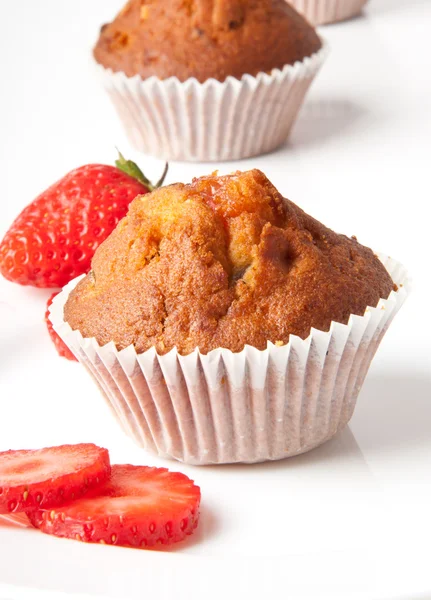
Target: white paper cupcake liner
column 320, row 12
column 211, row 121
column 250, row 406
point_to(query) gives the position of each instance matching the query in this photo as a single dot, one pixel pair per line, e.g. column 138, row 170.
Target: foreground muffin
column 224, row 324
column 221, row 263
column 320, row 12
column 183, row 75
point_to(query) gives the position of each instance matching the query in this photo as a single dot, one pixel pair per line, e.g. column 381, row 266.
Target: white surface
column 348, row 520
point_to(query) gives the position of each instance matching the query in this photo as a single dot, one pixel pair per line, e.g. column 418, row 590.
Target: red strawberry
column 54, row 238
column 14, row 520
column 138, row 506
column 60, row 346
column 48, row 477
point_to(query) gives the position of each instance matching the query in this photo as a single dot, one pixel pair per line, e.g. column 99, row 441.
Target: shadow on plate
column 394, row 410
column 320, row 120
column 338, row 449
column 420, row 597
column 387, row 6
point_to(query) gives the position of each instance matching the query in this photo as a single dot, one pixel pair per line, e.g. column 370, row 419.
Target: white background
column 348, row 520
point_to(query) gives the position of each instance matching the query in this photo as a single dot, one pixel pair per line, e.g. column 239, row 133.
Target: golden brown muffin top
column 221, row 262
column 204, row 38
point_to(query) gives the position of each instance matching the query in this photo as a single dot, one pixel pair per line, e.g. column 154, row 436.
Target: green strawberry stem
column 132, row 169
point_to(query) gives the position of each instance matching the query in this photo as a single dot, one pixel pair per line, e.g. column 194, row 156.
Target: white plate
column 348, row 520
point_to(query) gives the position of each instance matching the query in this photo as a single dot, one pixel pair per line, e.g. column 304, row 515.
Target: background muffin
column 221, row 263
column 204, row 39
column 208, row 79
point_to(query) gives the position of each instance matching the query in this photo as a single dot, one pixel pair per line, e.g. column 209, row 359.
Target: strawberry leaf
column 132, row 169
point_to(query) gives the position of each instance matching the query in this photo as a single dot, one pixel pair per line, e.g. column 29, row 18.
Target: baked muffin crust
column 204, row 38
column 221, row 262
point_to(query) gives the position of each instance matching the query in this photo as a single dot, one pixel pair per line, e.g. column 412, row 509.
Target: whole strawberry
column 54, row 238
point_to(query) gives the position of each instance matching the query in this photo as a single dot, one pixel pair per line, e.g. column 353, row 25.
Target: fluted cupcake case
column 211, row 121
column 250, row 406
column 321, row 12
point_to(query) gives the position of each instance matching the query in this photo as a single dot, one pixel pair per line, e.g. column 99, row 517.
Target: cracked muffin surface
column 204, row 38
column 221, row 262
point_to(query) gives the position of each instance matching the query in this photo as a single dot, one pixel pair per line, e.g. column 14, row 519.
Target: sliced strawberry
column 14, row 520
column 138, row 506
column 31, row 479
column 60, row 346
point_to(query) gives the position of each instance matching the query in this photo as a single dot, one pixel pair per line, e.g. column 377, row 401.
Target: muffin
column 208, row 79
column 204, row 39
column 320, row 12
column 221, row 263
column 224, row 324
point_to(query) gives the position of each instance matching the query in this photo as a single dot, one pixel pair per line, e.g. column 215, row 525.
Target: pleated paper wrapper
column 250, row 406
column 320, row 12
column 211, row 121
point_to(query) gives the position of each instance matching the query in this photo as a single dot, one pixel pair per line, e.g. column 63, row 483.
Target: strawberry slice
column 32, row 479
column 60, row 346
column 14, row 520
column 137, row 506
